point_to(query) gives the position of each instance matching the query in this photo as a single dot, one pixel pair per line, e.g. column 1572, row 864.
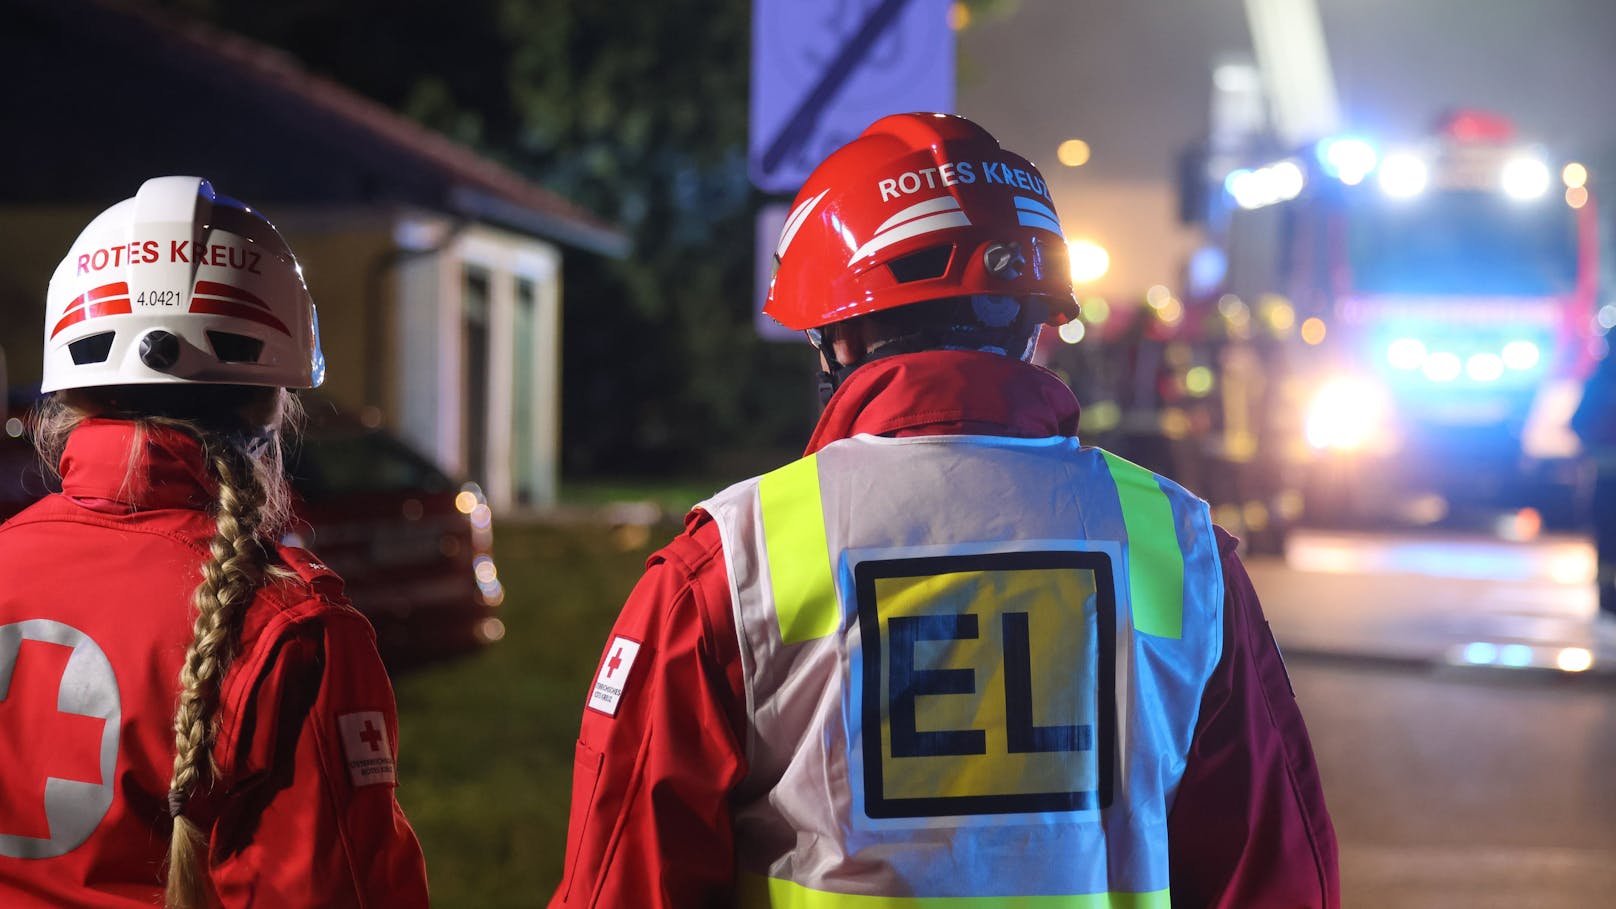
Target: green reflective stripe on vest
column 756, row 891
column 799, row 560
column 1155, row 562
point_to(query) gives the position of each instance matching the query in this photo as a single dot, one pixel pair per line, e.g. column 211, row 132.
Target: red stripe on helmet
column 98, row 302
column 239, row 311
column 115, row 289
column 229, row 292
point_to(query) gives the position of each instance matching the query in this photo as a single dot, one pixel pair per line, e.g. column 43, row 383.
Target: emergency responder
column 1595, row 424
column 950, row 654
column 174, row 328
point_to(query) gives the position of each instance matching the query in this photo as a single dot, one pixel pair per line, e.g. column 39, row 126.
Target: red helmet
column 920, row 207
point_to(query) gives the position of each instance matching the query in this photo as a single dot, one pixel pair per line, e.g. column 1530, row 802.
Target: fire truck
column 1374, row 334
column 1402, row 332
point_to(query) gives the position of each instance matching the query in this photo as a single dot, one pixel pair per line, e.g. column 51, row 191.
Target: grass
column 485, row 763
column 674, row 498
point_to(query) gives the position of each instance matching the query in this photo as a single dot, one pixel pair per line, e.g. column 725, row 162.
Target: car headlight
column 1345, row 415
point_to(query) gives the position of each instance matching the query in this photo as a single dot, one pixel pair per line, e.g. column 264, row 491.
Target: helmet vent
column 93, row 349
column 233, row 348
column 923, row 265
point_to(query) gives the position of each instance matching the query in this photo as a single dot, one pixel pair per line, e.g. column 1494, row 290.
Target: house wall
column 346, row 258
column 515, row 430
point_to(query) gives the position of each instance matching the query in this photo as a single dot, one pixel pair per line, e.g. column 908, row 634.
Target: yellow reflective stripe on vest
column 799, row 559
column 777, row 894
column 1155, row 561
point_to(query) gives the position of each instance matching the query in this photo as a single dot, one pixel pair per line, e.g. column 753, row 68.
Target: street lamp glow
column 1089, row 261
column 1574, row 175
column 1073, row 153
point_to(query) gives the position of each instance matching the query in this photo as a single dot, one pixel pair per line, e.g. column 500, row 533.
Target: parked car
column 414, row 546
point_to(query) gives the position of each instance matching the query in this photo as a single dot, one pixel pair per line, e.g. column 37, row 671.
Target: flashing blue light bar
column 1347, row 158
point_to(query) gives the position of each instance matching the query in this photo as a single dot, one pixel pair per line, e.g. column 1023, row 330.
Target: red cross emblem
column 38, row 741
column 372, row 736
column 614, row 662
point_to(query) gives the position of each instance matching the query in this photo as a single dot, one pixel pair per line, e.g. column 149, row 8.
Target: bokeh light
column 1073, row 153
column 1089, row 261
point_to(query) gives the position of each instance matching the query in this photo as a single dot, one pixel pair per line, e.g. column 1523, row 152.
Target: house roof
column 147, row 92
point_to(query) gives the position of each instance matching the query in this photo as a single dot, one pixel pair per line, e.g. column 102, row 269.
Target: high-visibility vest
column 973, row 668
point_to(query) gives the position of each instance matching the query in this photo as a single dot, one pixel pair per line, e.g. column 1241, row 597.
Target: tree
column 636, row 110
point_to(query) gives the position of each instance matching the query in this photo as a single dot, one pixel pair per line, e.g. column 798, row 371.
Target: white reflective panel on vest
column 956, row 685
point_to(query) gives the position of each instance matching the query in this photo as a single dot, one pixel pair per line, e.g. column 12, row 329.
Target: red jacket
column 95, row 616
column 650, row 824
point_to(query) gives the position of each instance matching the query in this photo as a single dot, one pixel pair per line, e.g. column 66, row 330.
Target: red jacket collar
column 940, row 392
column 167, row 470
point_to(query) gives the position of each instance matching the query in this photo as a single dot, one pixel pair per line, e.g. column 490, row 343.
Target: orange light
column 1577, row 196
column 1313, row 331
column 1073, row 153
column 959, row 16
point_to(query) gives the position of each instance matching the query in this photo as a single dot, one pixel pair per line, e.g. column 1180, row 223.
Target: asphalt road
column 1461, row 697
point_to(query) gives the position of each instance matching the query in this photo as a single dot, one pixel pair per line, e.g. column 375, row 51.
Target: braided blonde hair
column 251, row 507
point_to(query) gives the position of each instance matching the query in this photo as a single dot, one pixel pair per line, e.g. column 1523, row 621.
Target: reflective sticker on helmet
column 224, row 300
column 106, row 300
column 1034, row 213
column 927, row 217
column 794, row 222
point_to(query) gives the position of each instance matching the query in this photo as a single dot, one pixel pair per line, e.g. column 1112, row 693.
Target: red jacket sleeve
column 659, row 750
column 311, row 819
column 1249, row 829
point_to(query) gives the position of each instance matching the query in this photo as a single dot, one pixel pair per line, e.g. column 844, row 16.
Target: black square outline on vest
column 1099, row 564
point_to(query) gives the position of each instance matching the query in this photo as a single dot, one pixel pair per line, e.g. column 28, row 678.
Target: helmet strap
column 829, row 379
column 966, row 323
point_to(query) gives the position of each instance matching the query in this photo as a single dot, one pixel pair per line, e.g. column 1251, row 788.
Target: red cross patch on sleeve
column 364, row 741
column 613, row 675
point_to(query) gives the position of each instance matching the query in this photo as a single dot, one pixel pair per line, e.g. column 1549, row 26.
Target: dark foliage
column 636, row 110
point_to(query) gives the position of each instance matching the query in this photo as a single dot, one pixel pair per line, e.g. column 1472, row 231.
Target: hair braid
column 230, row 578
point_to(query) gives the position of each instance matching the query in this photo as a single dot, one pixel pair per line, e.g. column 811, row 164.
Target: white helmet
column 180, row 285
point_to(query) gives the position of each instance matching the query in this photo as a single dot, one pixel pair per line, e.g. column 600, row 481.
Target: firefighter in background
column 173, row 331
column 951, row 653
column 1595, row 424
